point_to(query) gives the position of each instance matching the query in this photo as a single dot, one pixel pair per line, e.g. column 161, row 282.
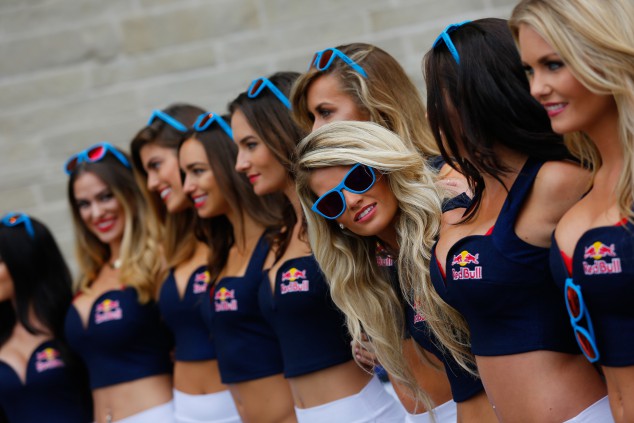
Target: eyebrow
column 191, row 165
column 247, row 138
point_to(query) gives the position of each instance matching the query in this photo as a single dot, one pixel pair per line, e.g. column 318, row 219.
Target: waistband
column 597, row 412
column 208, row 408
column 444, row 413
column 163, row 413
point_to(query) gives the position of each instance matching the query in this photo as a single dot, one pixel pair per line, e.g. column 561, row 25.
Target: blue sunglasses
column 577, row 311
column 358, row 180
column 93, row 154
column 205, row 120
column 324, row 58
column 159, row 114
column 444, row 36
column 256, row 87
column 14, row 219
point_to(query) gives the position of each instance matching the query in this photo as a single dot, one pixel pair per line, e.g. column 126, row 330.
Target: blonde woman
column 360, row 186
column 113, row 323
column 579, row 59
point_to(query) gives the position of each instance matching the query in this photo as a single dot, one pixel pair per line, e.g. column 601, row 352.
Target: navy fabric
column 460, row 201
column 436, row 162
column 124, row 340
column 246, row 345
column 52, row 393
column 603, row 267
column 183, row 317
column 503, row 286
column 311, row 330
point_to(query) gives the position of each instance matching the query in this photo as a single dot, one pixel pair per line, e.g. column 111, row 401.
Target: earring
column 341, row 226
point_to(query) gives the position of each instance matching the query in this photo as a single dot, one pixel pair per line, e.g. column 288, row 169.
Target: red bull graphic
column 201, row 281
column 48, row 359
column 225, row 300
column 108, row 310
column 598, row 251
column 383, row 257
column 418, row 317
column 292, row 276
column 463, row 259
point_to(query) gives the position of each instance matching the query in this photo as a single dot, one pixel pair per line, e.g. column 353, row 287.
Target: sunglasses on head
column 94, row 154
column 205, row 120
column 256, row 87
column 358, row 180
column 159, row 114
column 577, row 311
column 324, row 58
column 444, row 36
column 14, row 219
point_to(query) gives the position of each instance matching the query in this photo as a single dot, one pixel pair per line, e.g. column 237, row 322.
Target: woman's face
column 255, row 159
column 98, row 208
column 372, row 213
column 570, row 105
column 163, row 176
column 200, row 183
column 327, row 102
column 7, row 291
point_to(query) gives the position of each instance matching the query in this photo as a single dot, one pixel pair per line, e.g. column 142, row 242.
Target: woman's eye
column 554, row 65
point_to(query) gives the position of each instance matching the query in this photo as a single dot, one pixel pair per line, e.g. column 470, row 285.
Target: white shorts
column 163, row 413
column 597, row 412
column 371, row 404
column 210, row 408
column 444, row 413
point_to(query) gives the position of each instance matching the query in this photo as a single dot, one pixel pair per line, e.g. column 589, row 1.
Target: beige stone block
column 421, row 11
column 18, row 199
column 289, row 12
column 47, row 87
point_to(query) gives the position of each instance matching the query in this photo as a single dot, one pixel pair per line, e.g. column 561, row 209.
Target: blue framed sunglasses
column 94, row 154
column 14, row 219
column 204, row 121
column 159, row 114
column 577, row 311
column 324, row 58
column 444, row 36
column 358, row 180
column 256, row 87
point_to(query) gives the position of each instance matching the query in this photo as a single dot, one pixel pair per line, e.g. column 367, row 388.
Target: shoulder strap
column 258, row 257
column 518, row 192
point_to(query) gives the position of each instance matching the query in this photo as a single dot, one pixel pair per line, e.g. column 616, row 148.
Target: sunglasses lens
column 204, row 122
column 96, row 153
column 71, row 164
column 359, row 179
column 256, row 87
column 586, row 345
column 330, row 205
column 573, row 302
column 13, row 220
column 324, row 59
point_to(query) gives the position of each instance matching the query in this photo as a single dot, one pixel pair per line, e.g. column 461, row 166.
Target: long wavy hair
column 179, row 230
column 387, row 95
column 142, row 264
column 272, row 122
column 359, row 286
column 594, row 39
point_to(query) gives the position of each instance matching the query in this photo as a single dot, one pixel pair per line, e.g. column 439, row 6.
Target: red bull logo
column 598, row 251
column 107, row 311
column 292, row 276
column 419, row 316
column 463, row 259
column 225, row 300
column 201, row 281
column 47, row 359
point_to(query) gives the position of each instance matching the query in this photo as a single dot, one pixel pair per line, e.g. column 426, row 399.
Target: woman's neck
column 245, row 230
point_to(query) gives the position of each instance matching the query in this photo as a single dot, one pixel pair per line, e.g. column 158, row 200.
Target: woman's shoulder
column 561, row 181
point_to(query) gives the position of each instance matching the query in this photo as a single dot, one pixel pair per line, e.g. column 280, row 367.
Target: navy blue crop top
column 246, row 345
column 603, row 267
column 311, row 329
column 51, row 393
column 503, row 286
column 183, row 317
column 124, row 340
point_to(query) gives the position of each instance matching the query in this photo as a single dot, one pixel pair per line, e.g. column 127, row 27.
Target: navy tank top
column 182, row 315
column 124, row 340
column 52, row 393
column 246, row 345
column 603, row 267
column 311, row 330
column 503, row 286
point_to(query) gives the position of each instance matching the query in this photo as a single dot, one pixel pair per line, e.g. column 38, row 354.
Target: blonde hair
column 142, row 263
column 359, row 287
column 387, row 95
column 594, row 39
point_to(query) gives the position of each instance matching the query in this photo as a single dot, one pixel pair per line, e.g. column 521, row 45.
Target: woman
column 580, row 63
column 113, row 323
column 39, row 380
column 248, row 353
column 199, row 395
column 492, row 266
column 325, row 381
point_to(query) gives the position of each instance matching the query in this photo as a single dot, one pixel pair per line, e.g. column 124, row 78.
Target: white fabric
column 163, row 413
column 372, row 404
column 597, row 412
column 444, row 413
column 210, row 408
